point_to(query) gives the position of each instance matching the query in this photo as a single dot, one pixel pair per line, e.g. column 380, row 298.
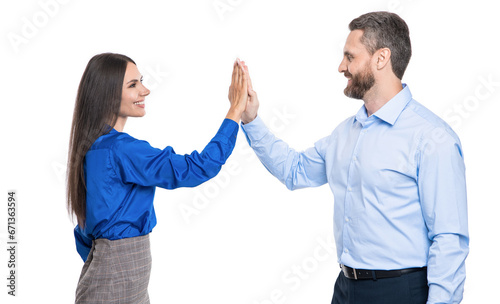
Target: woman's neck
column 120, row 123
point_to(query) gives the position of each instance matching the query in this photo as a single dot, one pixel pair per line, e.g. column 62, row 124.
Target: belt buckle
column 346, row 271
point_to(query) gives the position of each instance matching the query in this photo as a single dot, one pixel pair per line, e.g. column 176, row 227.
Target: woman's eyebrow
column 135, row 80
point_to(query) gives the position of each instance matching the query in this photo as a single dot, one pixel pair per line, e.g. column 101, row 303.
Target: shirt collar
column 391, row 110
column 110, row 128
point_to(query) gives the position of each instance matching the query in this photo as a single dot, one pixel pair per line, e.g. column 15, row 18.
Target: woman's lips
column 140, row 104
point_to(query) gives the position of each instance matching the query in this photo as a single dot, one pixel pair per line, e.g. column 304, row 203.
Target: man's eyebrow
column 346, row 53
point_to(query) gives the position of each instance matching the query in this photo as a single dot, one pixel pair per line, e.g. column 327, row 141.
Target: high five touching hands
column 250, row 112
column 243, row 99
column 238, row 92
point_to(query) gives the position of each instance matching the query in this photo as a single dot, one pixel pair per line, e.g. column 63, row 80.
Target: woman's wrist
column 234, row 114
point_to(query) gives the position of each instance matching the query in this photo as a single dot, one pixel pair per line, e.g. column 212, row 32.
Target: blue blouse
column 122, row 173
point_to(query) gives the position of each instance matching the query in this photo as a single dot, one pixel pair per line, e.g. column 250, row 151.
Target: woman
column 112, row 177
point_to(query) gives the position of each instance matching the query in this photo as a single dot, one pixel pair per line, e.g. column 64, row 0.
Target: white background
column 246, row 233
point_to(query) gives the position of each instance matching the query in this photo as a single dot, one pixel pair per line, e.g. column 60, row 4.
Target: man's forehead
column 353, row 41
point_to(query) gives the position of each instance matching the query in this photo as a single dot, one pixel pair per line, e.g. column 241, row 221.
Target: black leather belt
column 363, row 274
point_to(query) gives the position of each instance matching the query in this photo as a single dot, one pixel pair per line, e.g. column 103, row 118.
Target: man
column 396, row 172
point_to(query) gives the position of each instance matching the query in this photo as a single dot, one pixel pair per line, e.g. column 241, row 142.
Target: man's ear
column 383, row 57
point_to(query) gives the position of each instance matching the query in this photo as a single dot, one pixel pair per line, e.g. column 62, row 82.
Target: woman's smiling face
column 133, row 93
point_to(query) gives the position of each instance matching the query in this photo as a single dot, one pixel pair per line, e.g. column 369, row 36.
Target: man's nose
column 342, row 66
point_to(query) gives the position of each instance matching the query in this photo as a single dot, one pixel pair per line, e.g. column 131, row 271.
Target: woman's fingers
column 234, row 81
column 239, row 89
column 238, row 77
column 235, row 67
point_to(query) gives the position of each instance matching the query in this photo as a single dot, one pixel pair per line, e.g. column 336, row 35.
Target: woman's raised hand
column 238, row 92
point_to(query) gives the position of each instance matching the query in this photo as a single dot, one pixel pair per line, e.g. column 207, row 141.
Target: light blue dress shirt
column 122, row 173
column 398, row 179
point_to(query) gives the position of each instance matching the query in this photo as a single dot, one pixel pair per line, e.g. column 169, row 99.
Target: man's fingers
column 242, row 75
column 245, row 80
column 250, row 86
column 249, row 79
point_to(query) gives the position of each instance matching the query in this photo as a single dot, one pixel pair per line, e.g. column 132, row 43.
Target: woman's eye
column 132, row 85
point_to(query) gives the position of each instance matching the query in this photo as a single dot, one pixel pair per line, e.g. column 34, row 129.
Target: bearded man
column 397, row 174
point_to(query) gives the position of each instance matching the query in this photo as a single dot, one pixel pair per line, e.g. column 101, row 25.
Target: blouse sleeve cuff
column 229, row 129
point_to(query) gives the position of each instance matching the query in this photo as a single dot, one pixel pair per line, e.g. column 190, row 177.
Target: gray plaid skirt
column 116, row 272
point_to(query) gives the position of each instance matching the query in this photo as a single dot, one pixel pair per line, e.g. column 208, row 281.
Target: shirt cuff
column 229, row 129
column 255, row 130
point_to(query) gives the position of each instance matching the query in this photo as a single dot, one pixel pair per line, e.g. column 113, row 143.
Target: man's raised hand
column 252, row 107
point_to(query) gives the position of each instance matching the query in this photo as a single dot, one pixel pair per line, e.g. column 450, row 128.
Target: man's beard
column 360, row 83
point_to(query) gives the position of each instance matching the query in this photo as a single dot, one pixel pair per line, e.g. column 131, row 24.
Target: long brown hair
column 96, row 110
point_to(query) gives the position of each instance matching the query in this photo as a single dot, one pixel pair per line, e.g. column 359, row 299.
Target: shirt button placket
column 348, row 196
column 348, row 199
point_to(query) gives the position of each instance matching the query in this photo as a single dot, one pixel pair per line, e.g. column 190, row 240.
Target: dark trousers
column 409, row 288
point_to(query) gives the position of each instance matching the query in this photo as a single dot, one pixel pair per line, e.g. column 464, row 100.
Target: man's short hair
column 386, row 30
